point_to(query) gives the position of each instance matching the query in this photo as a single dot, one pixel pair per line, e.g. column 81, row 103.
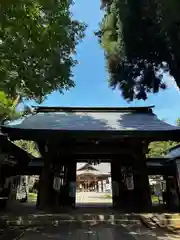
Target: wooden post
column 115, row 172
column 58, row 173
column 45, row 199
column 71, row 176
column 176, row 170
column 141, row 184
column 45, row 194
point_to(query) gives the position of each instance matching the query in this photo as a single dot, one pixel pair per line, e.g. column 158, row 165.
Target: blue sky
column 91, row 76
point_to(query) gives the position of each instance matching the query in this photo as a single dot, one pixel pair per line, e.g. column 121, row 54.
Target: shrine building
column 96, row 178
column 66, row 136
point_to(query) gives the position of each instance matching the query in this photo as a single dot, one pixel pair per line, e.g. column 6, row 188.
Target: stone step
column 57, row 219
column 11, row 234
column 167, row 221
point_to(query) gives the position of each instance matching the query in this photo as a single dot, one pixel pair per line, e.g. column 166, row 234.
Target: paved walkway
column 100, row 226
column 93, row 198
column 97, row 231
column 74, row 233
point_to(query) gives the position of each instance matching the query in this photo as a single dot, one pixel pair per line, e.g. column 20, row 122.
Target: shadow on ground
column 81, row 223
column 109, row 230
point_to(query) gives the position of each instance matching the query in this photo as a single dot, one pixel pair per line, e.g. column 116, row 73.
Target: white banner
column 130, row 183
column 57, row 183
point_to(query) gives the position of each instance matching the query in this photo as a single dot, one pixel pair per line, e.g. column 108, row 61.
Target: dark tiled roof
column 90, row 119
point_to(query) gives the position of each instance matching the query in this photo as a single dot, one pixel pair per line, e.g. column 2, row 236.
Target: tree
column 37, row 41
column 178, row 122
column 141, row 42
column 158, row 149
column 28, row 146
column 7, row 109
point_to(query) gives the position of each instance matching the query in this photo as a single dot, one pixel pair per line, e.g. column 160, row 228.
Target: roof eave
column 30, row 134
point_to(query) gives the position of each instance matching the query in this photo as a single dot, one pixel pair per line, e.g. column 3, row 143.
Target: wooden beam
column 99, row 149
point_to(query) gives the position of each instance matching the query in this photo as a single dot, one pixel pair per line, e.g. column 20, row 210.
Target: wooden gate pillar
column 58, row 183
column 176, row 170
column 116, row 183
column 141, row 184
column 172, row 200
column 45, row 199
column 71, row 179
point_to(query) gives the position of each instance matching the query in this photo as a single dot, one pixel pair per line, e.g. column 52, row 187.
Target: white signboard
column 57, row 183
column 130, row 183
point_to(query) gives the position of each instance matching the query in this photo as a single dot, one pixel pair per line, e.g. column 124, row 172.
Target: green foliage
column 6, row 107
column 28, row 146
column 8, row 110
column 32, row 197
column 141, row 42
column 178, row 122
column 37, row 40
column 160, row 149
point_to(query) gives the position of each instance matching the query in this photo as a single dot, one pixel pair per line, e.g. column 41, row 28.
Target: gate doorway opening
column 27, row 190
column 158, row 190
column 164, row 192
column 93, row 185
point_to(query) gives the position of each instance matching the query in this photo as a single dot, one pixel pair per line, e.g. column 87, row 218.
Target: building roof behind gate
column 101, row 167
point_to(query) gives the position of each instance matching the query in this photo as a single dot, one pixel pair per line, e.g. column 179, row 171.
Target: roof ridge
column 145, row 109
